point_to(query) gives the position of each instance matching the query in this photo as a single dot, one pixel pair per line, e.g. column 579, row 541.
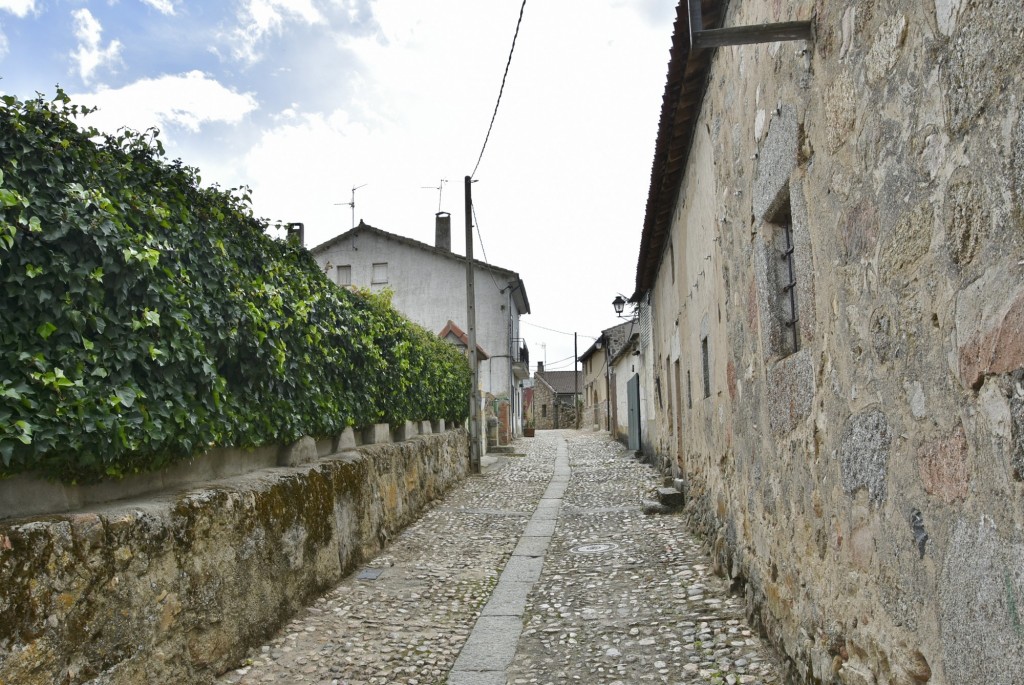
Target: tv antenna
column 440, row 190
column 352, row 204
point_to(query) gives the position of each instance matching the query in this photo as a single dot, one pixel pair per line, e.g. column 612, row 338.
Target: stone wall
column 175, row 588
column 866, row 489
column 549, row 411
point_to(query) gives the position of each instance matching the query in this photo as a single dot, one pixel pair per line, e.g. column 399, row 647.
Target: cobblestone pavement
column 622, row 598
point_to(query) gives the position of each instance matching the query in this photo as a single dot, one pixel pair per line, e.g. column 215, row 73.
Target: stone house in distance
column 428, row 283
column 833, row 257
column 555, row 398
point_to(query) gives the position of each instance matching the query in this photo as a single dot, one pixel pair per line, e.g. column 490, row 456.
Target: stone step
column 651, row 507
column 671, row 497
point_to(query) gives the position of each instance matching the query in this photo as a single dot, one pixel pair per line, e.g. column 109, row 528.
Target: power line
column 500, row 91
column 559, row 332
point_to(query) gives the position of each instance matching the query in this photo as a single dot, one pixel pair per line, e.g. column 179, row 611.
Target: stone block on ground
column 670, row 497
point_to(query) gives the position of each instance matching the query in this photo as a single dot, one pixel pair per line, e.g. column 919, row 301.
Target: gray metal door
column 633, row 399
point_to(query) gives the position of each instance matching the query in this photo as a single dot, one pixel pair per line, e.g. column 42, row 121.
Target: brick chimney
column 540, row 367
column 443, row 231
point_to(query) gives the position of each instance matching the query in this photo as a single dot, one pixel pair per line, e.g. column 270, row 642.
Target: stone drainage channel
column 492, row 643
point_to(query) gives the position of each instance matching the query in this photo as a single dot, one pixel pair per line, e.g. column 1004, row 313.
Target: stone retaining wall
column 175, row 588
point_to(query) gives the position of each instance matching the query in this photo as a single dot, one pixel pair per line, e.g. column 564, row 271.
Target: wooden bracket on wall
column 742, row 35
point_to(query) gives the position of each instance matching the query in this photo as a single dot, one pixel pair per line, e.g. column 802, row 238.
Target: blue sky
column 301, row 100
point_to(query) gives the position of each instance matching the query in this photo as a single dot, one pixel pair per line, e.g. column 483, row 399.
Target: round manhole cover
column 596, row 548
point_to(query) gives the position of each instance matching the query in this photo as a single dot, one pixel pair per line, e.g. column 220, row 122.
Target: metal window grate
column 789, row 288
column 707, row 366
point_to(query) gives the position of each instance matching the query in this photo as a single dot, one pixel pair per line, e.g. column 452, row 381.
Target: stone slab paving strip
column 489, row 651
column 466, row 597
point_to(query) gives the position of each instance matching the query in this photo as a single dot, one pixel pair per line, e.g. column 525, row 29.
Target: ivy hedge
column 144, row 317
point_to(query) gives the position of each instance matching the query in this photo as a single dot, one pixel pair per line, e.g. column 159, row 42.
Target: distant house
column 555, row 396
column 597, row 387
column 428, row 285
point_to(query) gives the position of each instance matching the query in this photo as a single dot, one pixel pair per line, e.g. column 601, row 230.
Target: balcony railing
column 520, row 358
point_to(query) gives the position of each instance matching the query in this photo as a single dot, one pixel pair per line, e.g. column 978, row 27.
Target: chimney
column 443, row 231
column 540, row 367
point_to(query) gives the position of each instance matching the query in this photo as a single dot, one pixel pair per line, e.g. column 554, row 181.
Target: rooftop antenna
column 351, row 204
column 440, row 190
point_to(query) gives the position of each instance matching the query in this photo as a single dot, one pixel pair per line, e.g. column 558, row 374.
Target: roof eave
column 682, row 101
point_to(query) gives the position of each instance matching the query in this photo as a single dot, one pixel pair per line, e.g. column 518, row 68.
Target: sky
column 303, row 100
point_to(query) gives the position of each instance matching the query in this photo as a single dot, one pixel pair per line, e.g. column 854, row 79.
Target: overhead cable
column 501, row 90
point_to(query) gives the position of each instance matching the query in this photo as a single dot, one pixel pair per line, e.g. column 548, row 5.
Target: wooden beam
column 746, row 35
column 696, row 21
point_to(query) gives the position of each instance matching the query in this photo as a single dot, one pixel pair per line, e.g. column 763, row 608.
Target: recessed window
column 380, row 273
column 786, row 284
column 344, row 275
column 689, row 392
column 544, row 411
column 707, row 365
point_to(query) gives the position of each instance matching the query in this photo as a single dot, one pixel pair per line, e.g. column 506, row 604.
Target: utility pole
column 576, row 377
column 474, row 395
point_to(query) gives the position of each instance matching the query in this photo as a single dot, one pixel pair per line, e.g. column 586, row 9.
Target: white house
column 428, row 283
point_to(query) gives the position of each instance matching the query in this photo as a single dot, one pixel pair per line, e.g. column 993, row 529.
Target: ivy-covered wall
column 144, row 317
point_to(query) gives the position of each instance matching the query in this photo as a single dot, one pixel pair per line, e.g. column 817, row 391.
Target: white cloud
column 259, row 18
column 19, row 8
column 3, row 45
column 162, row 6
column 90, row 54
column 188, row 101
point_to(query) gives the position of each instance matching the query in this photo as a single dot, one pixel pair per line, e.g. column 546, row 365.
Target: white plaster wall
column 430, row 289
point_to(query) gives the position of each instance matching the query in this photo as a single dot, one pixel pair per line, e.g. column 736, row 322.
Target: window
column 380, row 273
column 689, row 391
column 707, row 366
column 778, row 269
column 543, row 411
column 787, row 285
column 344, row 275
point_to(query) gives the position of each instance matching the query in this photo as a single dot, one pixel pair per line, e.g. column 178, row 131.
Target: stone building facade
column 596, row 386
column 834, row 259
column 555, row 399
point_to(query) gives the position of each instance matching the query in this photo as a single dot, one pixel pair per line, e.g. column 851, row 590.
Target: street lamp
column 619, row 303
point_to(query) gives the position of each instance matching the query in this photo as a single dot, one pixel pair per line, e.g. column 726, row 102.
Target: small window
column 380, row 273
column 344, row 275
column 689, row 391
column 543, row 411
column 787, row 286
column 707, row 366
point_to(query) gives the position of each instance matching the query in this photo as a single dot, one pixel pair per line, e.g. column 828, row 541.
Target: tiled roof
column 460, row 335
column 562, row 382
column 680, row 107
column 519, row 289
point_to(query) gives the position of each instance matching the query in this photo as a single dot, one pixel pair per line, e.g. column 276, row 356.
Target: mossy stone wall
column 175, row 588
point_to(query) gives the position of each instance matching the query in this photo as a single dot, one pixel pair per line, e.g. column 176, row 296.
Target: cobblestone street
column 542, row 570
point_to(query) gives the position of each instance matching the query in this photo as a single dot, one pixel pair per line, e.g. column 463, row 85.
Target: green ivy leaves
column 143, row 317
